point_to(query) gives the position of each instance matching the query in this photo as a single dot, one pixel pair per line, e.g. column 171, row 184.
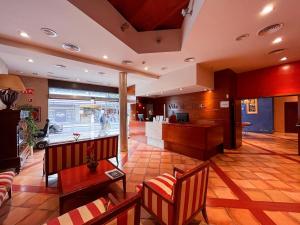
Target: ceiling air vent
column 49, row 32
column 270, row 29
column 276, row 51
column 71, row 47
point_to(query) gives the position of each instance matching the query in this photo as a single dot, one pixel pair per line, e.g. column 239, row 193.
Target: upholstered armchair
column 176, row 199
column 103, row 211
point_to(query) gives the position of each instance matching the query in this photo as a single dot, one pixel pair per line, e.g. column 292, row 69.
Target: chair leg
column 10, row 192
column 205, row 215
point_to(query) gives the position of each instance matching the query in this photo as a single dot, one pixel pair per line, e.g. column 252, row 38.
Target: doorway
column 290, row 117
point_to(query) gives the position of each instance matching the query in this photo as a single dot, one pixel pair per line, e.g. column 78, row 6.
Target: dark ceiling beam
column 4, row 40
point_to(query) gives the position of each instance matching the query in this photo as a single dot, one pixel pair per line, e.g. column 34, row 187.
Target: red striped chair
column 103, row 212
column 175, row 201
column 67, row 155
column 6, row 179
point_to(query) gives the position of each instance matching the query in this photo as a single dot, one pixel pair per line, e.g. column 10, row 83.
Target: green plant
column 31, row 130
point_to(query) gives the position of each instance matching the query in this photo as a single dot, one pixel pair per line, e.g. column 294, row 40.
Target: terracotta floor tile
column 243, row 217
column 278, row 196
column 260, row 184
column 219, row 216
column 295, row 216
column 15, row 215
column 225, row 193
column 282, row 218
column 244, row 183
column 139, row 171
column 257, row 195
column 279, row 185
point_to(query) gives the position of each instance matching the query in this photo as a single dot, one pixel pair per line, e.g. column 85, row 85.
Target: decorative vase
column 92, row 165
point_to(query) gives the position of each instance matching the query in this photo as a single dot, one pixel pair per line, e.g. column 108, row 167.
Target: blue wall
column 262, row 122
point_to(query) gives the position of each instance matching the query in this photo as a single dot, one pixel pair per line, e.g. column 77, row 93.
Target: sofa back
column 190, row 192
column 66, row 155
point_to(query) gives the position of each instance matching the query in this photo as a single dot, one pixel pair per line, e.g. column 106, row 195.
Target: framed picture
column 251, row 106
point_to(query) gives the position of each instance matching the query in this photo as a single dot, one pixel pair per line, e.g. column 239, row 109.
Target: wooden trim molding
column 4, row 40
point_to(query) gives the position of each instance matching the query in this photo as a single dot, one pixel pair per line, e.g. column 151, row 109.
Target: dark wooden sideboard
column 194, row 140
column 13, row 152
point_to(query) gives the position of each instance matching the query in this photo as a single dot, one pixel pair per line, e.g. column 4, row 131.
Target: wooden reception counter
column 194, row 140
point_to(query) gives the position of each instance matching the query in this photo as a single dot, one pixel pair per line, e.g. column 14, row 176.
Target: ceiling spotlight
column 86, row 70
column 35, row 73
column 71, row 47
column 276, row 51
column 191, row 59
column 60, row 66
column 101, row 73
column 105, row 57
column 30, row 60
column 23, row 34
column 49, row 32
column 270, row 29
column 180, row 89
column 242, row 37
column 267, row 9
column 277, row 40
column 284, row 58
column 146, row 68
column 50, row 73
column 164, row 68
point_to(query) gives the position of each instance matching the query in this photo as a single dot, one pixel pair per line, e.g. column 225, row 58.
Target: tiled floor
column 256, row 184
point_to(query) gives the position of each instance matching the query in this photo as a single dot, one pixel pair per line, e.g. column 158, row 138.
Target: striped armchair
column 66, row 155
column 175, row 200
column 6, row 180
column 103, row 212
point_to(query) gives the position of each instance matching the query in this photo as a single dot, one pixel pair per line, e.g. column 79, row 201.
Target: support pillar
column 123, row 111
column 298, row 125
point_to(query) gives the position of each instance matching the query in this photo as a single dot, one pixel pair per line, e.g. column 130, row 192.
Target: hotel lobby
column 149, row 112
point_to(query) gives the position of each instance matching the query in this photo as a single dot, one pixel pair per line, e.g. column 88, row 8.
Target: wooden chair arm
column 176, row 169
column 113, row 199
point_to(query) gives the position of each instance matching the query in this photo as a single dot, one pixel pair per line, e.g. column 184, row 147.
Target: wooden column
column 123, row 111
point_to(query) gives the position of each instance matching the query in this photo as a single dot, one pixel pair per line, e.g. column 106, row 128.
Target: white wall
column 3, row 70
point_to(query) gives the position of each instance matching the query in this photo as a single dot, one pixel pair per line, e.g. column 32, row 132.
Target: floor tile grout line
column 268, row 150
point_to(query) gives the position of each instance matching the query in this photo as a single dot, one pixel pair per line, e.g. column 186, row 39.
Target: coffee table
column 78, row 181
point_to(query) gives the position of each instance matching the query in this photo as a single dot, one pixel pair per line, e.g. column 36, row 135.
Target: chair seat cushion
column 163, row 184
column 3, row 193
column 6, row 179
column 82, row 214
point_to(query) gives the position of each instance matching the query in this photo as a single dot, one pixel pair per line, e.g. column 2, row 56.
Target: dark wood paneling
column 148, row 15
column 81, row 86
column 197, row 141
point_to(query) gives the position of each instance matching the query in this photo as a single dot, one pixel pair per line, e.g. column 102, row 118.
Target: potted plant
column 30, row 129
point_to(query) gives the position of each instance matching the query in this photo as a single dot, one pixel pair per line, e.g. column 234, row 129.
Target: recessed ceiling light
column 101, row 73
column 146, row 68
column 24, row 34
column 164, row 68
column 127, row 62
column 71, row 47
column 77, row 79
column 147, row 94
column 86, row 70
column 191, row 59
column 242, row 37
column 277, row 40
column 49, row 32
column 284, row 58
column 50, row 73
column 30, row 60
column 21, row 72
column 180, row 89
column 267, row 9
column 34, row 73
column 105, row 57
column 60, row 66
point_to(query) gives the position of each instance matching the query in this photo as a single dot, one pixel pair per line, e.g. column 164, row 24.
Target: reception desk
column 197, row 141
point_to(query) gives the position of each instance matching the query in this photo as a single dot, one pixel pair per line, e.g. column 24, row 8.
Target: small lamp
column 10, row 86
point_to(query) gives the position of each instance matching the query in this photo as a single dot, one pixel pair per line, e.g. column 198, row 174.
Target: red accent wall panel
column 271, row 81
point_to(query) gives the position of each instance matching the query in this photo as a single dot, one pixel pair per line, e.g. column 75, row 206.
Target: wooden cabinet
column 13, row 153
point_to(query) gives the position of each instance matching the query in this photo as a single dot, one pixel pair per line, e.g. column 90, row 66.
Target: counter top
column 205, row 125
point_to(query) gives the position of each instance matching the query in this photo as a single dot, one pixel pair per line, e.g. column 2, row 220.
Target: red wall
column 271, row 81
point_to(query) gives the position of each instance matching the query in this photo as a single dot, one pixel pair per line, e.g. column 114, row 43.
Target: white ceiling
column 211, row 40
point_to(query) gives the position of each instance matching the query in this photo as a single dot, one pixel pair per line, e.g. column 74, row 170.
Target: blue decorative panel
column 263, row 121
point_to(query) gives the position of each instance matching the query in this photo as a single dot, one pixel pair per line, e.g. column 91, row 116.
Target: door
column 291, row 116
